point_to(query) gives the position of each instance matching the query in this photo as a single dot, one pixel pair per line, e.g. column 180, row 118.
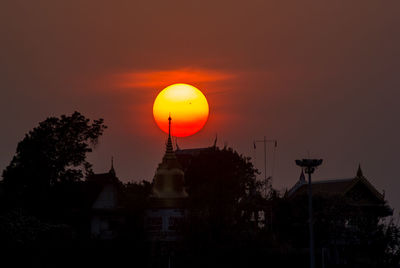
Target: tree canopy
column 53, row 152
column 221, row 185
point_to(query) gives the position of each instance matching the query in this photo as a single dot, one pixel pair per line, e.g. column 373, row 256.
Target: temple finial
column 170, row 148
column 359, row 172
column 169, row 125
column 215, row 141
column 302, row 177
column 112, row 171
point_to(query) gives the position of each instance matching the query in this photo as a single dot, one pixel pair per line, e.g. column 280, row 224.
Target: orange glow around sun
column 188, row 108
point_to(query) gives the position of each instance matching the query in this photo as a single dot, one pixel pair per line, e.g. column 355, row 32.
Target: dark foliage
column 51, row 154
column 224, row 227
column 136, row 194
column 223, row 193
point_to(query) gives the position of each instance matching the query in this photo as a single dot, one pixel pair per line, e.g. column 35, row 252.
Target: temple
column 344, row 211
column 106, row 211
column 167, row 200
column 358, row 191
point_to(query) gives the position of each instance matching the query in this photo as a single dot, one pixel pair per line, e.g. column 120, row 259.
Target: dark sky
column 321, row 77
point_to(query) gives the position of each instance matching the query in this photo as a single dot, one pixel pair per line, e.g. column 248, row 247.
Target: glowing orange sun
column 188, row 108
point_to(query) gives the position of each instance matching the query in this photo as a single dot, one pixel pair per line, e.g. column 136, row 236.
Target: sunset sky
column 321, row 77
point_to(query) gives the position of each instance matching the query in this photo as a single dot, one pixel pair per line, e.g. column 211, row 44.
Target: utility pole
column 309, row 165
column 265, row 141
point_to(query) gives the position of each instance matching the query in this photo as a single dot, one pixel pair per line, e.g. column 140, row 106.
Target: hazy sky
column 321, row 77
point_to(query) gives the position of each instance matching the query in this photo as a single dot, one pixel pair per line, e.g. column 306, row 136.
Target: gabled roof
column 334, row 187
column 102, row 184
column 185, row 156
column 103, row 178
column 331, row 187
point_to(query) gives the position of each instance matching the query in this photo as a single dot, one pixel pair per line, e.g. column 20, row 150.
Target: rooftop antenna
column 265, row 141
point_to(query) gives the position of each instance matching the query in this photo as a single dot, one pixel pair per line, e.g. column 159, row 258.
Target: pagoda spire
column 359, row 172
column 169, row 177
column 169, row 142
column 169, row 151
column 169, row 126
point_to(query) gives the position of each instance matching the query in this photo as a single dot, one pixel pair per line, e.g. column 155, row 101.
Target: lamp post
column 309, row 166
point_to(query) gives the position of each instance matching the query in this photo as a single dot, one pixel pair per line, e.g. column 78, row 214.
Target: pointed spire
column 359, row 172
column 169, row 152
column 302, row 177
column 169, row 142
column 168, row 181
column 169, row 125
column 215, row 141
column 112, row 170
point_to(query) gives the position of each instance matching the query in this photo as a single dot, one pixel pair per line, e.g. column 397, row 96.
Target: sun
column 187, row 106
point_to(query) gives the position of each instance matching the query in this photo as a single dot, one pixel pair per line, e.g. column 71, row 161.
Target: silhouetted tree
column 136, row 195
column 223, row 193
column 224, row 198
column 50, row 154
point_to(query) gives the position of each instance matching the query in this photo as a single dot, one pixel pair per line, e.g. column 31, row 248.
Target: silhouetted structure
column 167, row 206
column 347, row 214
column 309, row 165
column 185, row 156
column 48, row 213
column 357, row 190
column 107, row 215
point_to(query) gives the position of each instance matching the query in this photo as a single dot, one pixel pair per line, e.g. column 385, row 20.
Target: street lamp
column 309, row 166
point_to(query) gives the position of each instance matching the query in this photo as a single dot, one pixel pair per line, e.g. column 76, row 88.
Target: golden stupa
column 168, row 183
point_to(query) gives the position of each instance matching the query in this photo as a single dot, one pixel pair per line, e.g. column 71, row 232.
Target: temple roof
column 334, row 187
column 191, row 152
column 104, row 178
column 97, row 184
column 185, row 156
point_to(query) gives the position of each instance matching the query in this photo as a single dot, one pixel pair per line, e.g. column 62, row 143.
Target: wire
column 273, row 161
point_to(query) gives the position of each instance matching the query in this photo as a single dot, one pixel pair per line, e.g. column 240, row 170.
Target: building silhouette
column 357, row 191
column 347, row 214
column 167, row 200
column 107, row 214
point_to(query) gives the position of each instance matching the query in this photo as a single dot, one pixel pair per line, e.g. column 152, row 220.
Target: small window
column 154, row 223
column 174, row 223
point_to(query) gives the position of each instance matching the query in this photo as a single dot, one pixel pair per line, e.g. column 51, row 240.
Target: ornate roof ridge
column 332, row 180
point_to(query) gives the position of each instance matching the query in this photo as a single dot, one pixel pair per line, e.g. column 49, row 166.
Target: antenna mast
column 265, row 141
